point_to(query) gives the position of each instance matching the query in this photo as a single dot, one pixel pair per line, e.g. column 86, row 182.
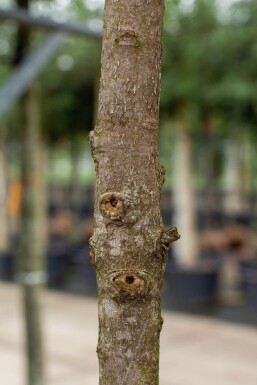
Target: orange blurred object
column 14, row 199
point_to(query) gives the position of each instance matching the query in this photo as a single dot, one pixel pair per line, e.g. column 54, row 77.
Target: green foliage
column 211, row 63
column 68, row 83
column 69, row 96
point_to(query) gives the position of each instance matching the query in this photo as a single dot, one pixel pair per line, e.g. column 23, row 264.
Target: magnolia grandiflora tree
column 129, row 244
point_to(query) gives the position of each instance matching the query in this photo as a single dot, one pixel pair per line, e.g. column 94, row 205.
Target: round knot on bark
column 112, row 206
column 129, row 285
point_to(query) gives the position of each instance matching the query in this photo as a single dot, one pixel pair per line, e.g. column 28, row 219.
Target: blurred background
column 208, row 146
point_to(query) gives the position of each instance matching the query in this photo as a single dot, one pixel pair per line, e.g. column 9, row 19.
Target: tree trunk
column 233, row 203
column 31, row 269
column 186, row 250
column 4, row 223
column 209, row 170
column 128, row 247
column 30, row 262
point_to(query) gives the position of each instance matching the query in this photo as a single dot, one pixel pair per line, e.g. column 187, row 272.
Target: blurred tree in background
column 208, row 66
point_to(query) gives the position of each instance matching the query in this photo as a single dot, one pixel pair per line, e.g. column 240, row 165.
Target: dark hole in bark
column 129, row 280
column 113, row 202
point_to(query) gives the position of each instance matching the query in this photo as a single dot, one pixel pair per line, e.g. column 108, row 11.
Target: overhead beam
column 29, row 69
column 22, row 17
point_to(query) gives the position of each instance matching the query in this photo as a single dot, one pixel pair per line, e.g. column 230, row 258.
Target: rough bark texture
column 31, row 269
column 128, row 247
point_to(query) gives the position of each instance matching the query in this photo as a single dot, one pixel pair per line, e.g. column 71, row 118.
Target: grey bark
column 128, row 247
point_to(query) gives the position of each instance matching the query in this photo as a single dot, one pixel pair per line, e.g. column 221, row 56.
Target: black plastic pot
column 251, row 291
column 6, row 265
column 190, row 288
column 56, row 265
column 79, row 275
column 89, row 277
column 85, row 274
column 247, row 268
column 249, row 282
column 57, row 258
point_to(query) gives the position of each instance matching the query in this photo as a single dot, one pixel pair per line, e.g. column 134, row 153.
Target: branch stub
column 169, row 236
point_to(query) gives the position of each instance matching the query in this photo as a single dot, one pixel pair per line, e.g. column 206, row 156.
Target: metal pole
column 29, row 69
column 23, row 17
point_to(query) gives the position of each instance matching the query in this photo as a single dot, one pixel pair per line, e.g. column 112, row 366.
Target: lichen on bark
column 129, row 245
